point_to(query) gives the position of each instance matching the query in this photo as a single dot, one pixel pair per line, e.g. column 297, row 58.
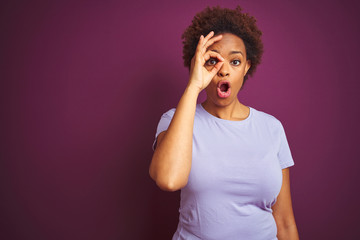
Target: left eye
column 236, row 62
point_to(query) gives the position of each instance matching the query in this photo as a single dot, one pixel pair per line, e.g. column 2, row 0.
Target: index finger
column 210, row 54
column 210, row 35
column 212, row 40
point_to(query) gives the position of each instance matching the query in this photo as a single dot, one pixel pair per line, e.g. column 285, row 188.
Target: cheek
column 208, row 89
column 240, row 79
column 211, row 88
column 242, row 69
column 239, row 84
column 240, row 73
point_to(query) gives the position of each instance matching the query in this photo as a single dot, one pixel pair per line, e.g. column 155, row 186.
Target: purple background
column 83, row 86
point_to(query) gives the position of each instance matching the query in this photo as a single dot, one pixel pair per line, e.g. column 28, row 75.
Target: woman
column 229, row 160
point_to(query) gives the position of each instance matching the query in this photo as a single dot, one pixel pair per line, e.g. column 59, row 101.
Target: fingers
column 210, row 54
column 220, row 61
column 205, row 42
column 211, row 41
column 200, row 44
column 216, row 68
column 206, row 39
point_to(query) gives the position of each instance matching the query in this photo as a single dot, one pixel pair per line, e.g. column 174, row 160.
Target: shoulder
column 266, row 118
column 169, row 113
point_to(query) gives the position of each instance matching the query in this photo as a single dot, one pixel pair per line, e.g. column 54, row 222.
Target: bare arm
column 283, row 212
column 171, row 163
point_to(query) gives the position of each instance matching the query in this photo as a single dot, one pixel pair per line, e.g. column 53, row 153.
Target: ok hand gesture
column 200, row 74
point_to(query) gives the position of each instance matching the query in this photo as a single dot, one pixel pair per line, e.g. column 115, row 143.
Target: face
column 226, row 84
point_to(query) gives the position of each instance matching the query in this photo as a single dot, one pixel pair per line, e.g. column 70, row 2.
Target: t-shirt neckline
column 228, row 121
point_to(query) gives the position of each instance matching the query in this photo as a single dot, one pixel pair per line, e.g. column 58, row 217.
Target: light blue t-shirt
column 235, row 177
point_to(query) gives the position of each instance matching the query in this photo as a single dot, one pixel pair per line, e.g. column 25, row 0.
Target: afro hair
column 224, row 20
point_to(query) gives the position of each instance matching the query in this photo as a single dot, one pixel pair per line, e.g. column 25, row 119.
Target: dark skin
column 233, row 69
column 221, row 57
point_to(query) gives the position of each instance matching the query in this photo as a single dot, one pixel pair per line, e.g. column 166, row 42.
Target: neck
column 235, row 111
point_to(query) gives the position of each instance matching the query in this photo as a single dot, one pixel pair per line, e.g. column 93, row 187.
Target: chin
column 224, row 102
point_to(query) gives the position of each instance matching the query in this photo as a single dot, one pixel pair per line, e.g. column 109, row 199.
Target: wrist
column 193, row 89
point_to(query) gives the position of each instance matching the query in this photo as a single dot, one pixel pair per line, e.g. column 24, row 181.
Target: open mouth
column 223, row 89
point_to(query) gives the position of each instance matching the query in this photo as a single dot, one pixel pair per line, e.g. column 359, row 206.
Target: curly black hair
column 224, row 20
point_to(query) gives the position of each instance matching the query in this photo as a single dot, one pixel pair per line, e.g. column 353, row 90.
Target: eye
column 236, row 62
column 211, row 62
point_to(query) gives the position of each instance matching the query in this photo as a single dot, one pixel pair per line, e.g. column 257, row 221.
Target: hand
column 200, row 76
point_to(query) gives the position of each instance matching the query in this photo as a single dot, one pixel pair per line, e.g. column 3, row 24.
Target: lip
column 223, row 94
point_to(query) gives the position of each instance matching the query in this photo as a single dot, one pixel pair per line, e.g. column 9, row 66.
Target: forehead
column 229, row 42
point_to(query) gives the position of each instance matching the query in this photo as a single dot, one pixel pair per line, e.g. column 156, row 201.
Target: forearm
column 171, row 162
column 288, row 233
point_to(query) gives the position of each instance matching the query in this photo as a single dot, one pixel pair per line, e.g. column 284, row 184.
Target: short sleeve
column 163, row 124
column 284, row 154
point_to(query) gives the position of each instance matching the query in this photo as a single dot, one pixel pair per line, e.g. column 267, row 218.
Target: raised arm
column 171, row 163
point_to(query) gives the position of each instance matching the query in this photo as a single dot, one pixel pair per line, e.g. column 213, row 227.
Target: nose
column 224, row 70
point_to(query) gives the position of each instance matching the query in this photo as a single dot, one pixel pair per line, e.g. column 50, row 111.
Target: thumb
column 216, row 69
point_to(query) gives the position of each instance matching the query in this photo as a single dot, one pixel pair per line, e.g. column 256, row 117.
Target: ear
column 247, row 66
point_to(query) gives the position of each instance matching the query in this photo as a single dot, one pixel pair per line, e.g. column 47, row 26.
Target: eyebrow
column 232, row 52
